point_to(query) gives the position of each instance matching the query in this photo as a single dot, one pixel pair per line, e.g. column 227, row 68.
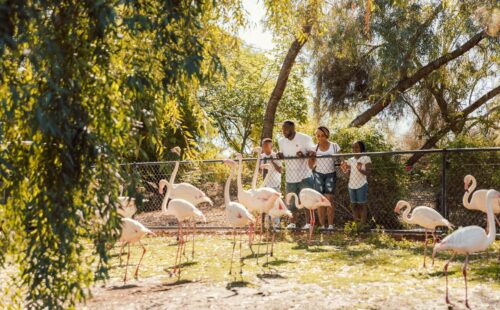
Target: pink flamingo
column 467, row 240
column 311, row 200
column 423, row 216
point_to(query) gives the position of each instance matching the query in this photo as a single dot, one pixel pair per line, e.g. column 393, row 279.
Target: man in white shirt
column 298, row 173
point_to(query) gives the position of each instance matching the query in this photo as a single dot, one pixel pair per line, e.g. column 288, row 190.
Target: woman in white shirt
column 325, row 177
column 358, row 168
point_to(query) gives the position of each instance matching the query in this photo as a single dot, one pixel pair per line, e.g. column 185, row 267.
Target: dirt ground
column 277, row 292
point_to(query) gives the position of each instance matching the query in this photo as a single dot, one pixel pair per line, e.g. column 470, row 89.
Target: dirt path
column 275, row 292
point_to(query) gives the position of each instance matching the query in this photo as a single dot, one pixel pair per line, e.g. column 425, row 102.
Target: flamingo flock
column 180, row 201
column 465, row 240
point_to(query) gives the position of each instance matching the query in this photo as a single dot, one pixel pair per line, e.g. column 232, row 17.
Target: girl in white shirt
column 358, row 168
column 325, row 177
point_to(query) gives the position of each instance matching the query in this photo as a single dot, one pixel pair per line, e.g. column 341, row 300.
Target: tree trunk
column 317, row 112
column 406, row 83
column 433, row 140
column 279, row 88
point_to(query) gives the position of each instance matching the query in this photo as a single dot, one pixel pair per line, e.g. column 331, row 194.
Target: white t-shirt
column 357, row 179
column 274, row 179
column 296, row 169
column 325, row 165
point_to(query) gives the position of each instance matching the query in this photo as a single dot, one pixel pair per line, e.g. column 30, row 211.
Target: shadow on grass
column 123, row 287
column 250, row 256
column 309, row 248
column 178, row 282
column 277, row 262
column 235, row 284
column 263, row 276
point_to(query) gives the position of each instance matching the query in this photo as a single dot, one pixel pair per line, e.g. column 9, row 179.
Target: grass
column 334, row 261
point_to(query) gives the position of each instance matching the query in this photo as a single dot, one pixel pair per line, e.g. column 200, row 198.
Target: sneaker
column 291, row 226
column 322, row 227
column 306, row 226
column 330, row 227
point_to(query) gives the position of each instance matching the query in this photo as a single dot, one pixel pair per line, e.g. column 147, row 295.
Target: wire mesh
column 436, row 181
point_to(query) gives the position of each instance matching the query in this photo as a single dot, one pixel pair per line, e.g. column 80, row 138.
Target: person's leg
column 330, row 184
column 277, row 219
column 354, row 207
column 292, row 188
column 363, row 200
column 319, row 180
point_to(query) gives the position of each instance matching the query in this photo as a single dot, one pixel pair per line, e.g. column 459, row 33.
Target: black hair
column 362, row 146
column 289, row 123
column 324, row 130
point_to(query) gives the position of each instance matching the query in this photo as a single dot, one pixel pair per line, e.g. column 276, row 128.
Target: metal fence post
column 444, row 208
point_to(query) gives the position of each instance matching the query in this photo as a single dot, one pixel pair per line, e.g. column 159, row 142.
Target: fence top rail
column 402, row 152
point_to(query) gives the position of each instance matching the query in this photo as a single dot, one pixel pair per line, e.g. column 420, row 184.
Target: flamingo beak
column 396, row 209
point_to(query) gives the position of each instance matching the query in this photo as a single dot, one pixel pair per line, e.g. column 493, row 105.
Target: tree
column 78, row 83
column 236, row 102
column 409, row 41
column 296, row 18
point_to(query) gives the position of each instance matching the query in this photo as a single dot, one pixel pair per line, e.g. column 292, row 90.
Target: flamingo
column 311, row 200
column 126, row 205
column 132, row 232
column 182, row 210
column 236, row 213
column 259, row 200
column 184, row 190
column 478, row 201
column 277, row 211
column 425, row 217
column 468, row 240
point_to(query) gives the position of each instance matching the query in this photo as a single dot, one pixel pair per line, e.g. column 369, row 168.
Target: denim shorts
column 325, row 182
column 296, row 188
column 359, row 195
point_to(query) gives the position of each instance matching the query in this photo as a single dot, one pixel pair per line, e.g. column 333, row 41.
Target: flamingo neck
column 238, row 180
column 256, row 172
column 492, row 231
column 406, row 213
column 297, row 201
column 174, row 173
column 169, row 187
column 227, row 198
column 465, row 199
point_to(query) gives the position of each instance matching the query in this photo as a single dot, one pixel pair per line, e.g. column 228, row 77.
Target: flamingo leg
column 241, row 260
column 434, row 240
column 183, row 248
column 136, row 275
column 425, row 247
column 250, row 235
column 186, row 235
column 193, row 232
column 121, row 252
column 232, row 253
column 272, row 243
column 126, row 266
column 179, row 248
column 446, row 275
column 464, row 271
column 310, row 226
column 267, row 245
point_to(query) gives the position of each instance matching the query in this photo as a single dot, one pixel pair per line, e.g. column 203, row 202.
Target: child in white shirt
column 358, row 168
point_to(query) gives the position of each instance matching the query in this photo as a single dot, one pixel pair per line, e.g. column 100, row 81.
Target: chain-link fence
column 436, row 180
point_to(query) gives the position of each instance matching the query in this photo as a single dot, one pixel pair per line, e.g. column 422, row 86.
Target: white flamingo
column 132, row 232
column 237, row 215
column 468, row 240
column 126, row 205
column 259, row 200
column 184, row 190
column 311, row 200
column 277, row 211
column 478, row 200
column 423, row 216
column 182, row 210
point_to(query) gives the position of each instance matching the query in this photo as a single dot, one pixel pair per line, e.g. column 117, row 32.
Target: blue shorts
column 296, row 188
column 359, row 195
column 325, row 183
